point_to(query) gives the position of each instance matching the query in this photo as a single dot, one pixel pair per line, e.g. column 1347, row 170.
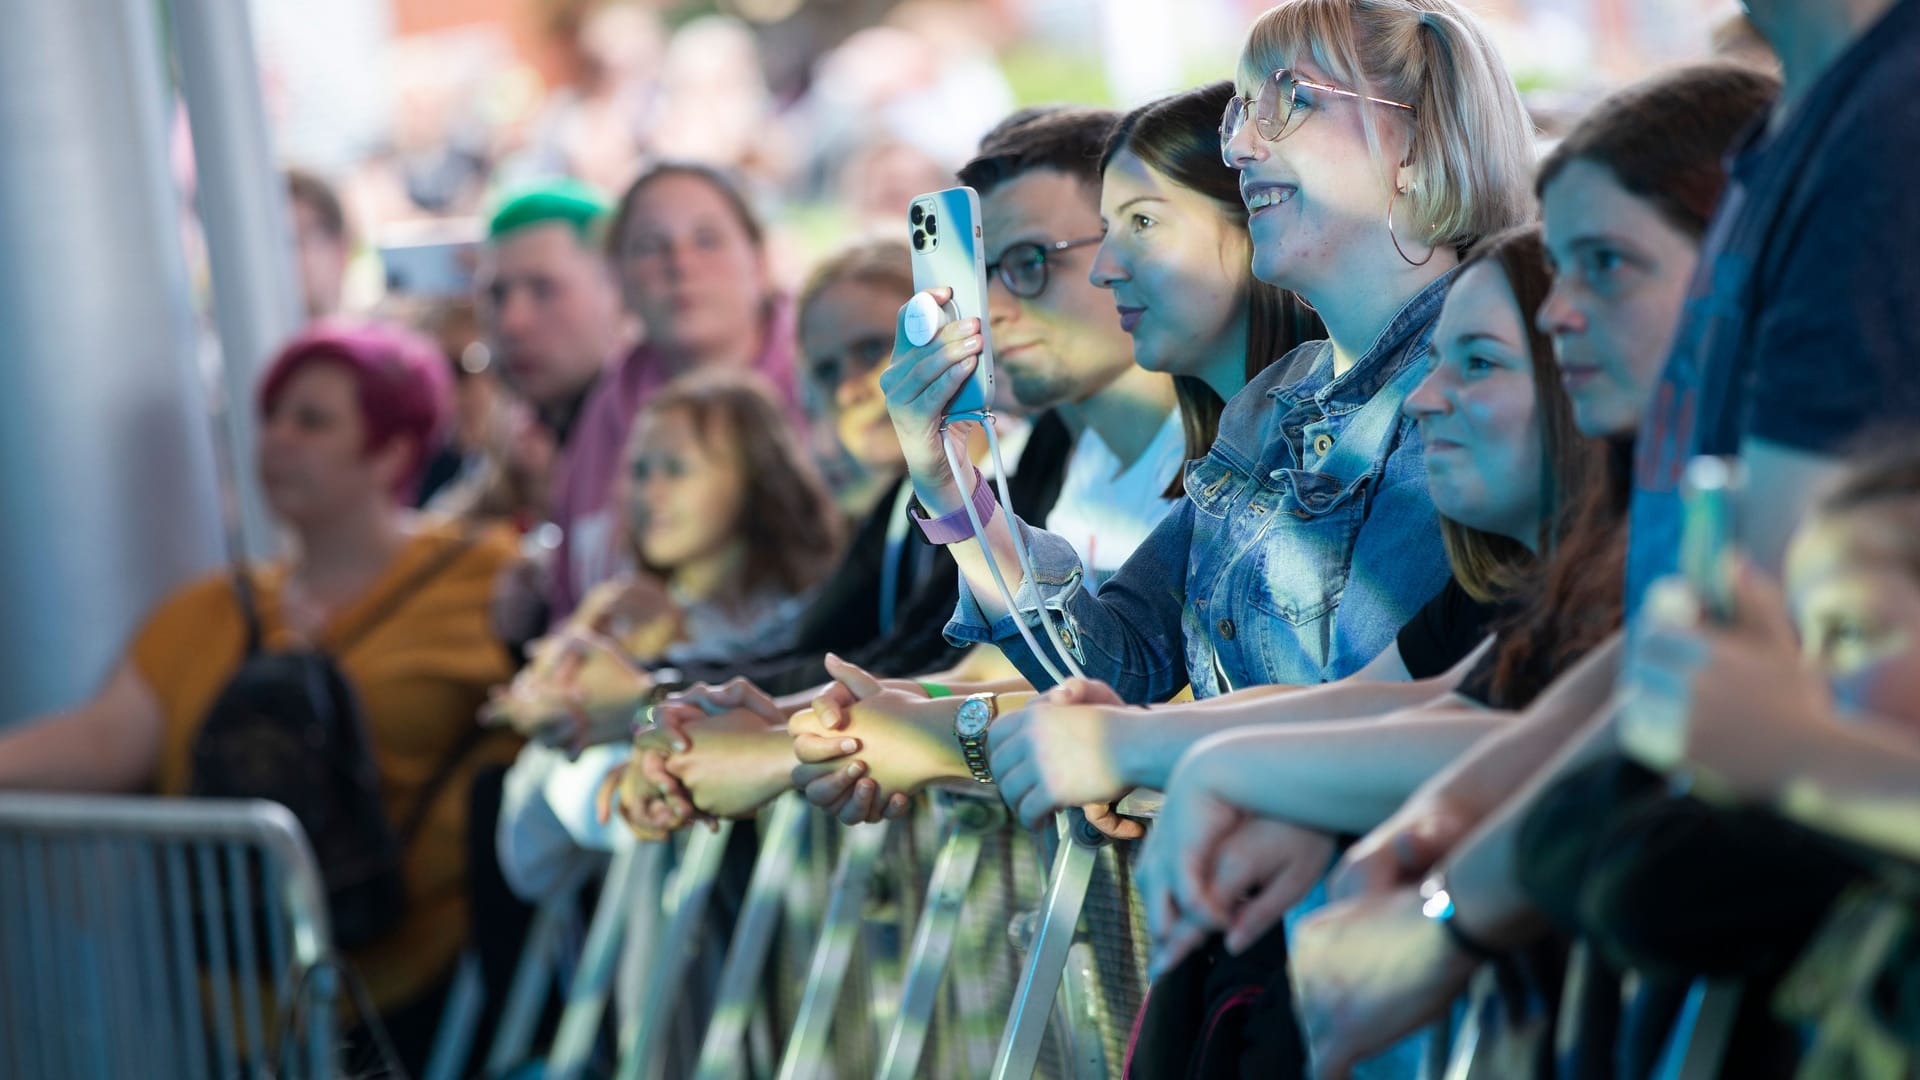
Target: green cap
column 567, row 201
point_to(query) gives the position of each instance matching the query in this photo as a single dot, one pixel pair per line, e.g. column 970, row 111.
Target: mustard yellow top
column 422, row 673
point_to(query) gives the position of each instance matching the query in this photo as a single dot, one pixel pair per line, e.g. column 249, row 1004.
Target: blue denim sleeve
column 1128, row 634
column 1398, row 562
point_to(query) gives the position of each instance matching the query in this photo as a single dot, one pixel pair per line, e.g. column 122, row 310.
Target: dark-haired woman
column 691, row 257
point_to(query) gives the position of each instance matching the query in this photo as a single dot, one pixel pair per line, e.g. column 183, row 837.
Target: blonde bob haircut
column 1470, row 155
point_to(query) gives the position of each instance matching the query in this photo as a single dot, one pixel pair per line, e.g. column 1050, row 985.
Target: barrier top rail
column 267, row 825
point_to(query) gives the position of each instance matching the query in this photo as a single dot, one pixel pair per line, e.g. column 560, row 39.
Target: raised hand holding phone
column 1653, row 725
column 938, row 390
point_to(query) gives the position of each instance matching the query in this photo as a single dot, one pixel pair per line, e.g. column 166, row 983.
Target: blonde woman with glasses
column 1374, row 139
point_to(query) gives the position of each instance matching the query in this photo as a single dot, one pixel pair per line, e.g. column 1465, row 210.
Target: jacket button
column 1066, row 637
column 1322, row 443
column 1225, row 627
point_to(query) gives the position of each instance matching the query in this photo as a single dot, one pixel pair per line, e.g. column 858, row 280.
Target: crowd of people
column 1347, row 428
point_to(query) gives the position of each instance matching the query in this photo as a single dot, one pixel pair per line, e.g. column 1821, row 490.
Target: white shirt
column 1104, row 511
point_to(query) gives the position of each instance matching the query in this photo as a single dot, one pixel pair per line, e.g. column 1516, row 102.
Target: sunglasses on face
column 858, row 358
column 1022, row 268
column 1275, row 109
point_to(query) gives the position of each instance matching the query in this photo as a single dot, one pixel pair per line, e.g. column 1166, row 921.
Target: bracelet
column 1436, row 903
column 954, row 526
column 934, row 690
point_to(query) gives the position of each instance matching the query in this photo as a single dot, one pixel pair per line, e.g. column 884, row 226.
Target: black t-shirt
column 1442, row 633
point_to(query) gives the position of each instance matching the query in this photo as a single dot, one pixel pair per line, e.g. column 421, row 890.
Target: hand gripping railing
column 131, row 946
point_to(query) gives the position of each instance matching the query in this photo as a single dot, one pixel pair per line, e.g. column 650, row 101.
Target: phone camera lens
column 919, row 240
column 918, row 214
column 931, row 222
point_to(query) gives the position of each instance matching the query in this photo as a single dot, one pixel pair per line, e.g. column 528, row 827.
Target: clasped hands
column 866, row 745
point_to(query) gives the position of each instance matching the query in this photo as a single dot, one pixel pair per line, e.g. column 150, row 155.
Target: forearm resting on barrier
column 111, row 743
column 1341, row 776
column 1861, row 783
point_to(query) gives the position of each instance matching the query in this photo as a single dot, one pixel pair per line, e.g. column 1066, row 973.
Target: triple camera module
column 925, row 227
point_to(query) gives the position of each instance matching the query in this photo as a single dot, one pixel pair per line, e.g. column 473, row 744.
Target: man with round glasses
column 1056, row 343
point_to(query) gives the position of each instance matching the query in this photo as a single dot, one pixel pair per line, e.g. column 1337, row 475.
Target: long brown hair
column 1489, row 567
column 1178, row 137
column 1582, row 504
column 788, row 519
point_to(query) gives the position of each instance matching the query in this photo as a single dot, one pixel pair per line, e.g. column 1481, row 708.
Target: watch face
column 972, row 719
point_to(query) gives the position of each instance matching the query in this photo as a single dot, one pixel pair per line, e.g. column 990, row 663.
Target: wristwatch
column 970, row 726
column 1436, row 903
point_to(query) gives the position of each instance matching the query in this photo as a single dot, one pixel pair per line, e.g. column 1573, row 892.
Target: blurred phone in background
column 431, row 260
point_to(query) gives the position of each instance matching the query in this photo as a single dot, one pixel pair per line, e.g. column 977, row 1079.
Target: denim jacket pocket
column 1300, row 570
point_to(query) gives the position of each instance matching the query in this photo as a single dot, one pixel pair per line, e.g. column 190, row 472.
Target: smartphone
column 441, row 269
column 1709, row 493
column 947, row 250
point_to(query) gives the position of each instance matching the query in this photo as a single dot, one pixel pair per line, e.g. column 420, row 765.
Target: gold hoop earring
column 1396, row 240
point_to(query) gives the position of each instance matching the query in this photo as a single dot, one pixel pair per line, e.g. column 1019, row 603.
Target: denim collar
column 1383, row 359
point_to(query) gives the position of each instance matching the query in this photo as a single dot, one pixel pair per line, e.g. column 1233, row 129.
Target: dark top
column 845, row 618
column 1799, row 326
column 1443, row 632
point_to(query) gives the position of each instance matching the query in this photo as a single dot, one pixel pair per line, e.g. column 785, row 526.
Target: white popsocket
column 924, row 318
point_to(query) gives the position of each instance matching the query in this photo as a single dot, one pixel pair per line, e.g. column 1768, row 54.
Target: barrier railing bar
column 687, row 896
column 1040, row 977
column 734, row 1001
column 1701, row 1032
column 587, row 996
column 532, row 978
column 827, row 969
column 933, row 938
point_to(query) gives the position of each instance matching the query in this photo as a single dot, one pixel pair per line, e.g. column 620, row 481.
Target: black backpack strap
column 249, row 608
column 417, row 817
column 398, row 597
column 469, row 739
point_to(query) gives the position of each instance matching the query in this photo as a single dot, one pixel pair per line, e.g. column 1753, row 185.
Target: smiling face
column 1621, row 272
column 688, row 266
column 1478, row 412
column 1176, row 263
column 1857, row 605
column 684, row 492
column 1317, row 198
column 846, row 335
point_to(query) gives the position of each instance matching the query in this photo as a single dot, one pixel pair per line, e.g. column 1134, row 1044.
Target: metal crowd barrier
column 159, row 938
column 905, row 969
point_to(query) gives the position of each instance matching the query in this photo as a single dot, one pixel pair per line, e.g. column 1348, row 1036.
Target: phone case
column 943, row 229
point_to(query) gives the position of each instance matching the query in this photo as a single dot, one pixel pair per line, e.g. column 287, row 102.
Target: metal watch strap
column 973, row 748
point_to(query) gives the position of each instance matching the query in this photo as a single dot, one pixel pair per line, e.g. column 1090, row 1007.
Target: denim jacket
column 1270, row 571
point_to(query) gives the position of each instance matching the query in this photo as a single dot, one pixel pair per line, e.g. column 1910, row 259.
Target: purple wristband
column 951, row 528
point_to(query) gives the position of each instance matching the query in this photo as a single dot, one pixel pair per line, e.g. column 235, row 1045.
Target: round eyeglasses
column 1022, row 268
column 1276, row 107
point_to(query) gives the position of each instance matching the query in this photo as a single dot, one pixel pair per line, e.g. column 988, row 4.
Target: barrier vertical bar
column 733, row 1004
column 587, row 996
column 1701, row 1032
column 827, row 970
column 1040, row 978
column 687, row 897
column 966, row 820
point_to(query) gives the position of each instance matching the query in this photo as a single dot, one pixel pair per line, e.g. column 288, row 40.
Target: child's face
column 1857, row 606
column 683, row 492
